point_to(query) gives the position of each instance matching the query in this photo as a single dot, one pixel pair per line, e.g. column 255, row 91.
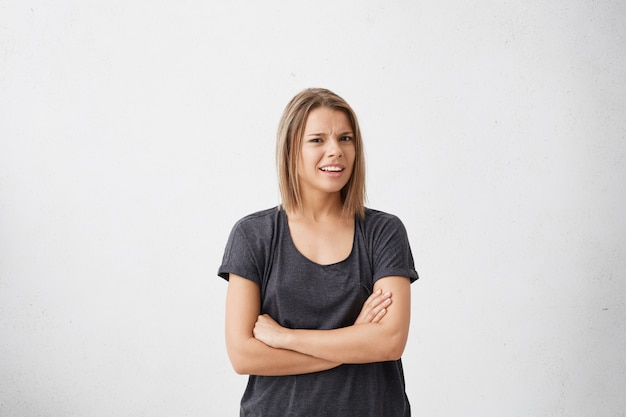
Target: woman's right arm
column 253, row 357
column 247, row 354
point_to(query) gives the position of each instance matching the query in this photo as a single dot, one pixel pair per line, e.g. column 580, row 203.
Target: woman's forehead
column 327, row 120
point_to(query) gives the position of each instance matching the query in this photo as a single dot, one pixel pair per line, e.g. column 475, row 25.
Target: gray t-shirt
column 299, row 293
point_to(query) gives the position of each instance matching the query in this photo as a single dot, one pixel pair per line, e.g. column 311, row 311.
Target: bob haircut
column 289, row 146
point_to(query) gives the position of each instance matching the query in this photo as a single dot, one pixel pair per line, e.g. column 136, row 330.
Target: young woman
column 318, row 301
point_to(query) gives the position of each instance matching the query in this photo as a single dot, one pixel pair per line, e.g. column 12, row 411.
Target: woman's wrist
column 286, row 339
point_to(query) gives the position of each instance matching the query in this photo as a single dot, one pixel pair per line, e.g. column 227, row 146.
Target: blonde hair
column 289, row 145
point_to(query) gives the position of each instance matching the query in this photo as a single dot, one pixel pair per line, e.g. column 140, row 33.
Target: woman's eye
column 315, row 140
column 346, row 138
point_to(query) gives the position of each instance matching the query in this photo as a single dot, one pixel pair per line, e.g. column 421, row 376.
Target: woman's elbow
column 395, row 353
column 394, row 348
column 239, row 369
column 240, row 365
column 391, row 353
column 239, row 359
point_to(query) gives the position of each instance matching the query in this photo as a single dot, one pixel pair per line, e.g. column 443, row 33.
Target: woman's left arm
column 359, row 343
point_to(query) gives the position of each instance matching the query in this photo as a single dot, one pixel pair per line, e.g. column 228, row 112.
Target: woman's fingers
column 374, row 307
column 379, row 311
column 380, row 315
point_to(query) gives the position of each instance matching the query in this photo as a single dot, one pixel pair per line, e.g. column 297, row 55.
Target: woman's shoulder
column 377, row 216
column 259, row 221
column 376, row 221
column 260, row 215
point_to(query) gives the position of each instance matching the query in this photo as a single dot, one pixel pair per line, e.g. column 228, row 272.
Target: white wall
column 134, row 133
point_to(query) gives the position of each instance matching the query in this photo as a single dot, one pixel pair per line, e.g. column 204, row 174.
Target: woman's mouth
column 333, row 170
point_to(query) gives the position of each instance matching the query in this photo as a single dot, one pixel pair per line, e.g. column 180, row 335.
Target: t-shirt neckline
column 285, row 222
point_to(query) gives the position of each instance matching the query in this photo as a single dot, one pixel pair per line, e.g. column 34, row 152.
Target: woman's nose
column 334, row 148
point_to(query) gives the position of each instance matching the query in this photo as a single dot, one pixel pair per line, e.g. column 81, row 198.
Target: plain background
column 133, row 134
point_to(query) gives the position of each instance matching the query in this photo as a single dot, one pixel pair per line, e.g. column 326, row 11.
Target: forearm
column 247, row 354
column 362, row 343
column 252, row 357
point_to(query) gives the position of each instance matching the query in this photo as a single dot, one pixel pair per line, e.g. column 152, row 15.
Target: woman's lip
column 338, row 166
column 338, row 173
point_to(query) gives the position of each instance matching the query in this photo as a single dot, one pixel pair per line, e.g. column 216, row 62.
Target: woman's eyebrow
column 347, row 132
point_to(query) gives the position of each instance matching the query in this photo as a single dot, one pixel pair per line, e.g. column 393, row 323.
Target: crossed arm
column 257, row 345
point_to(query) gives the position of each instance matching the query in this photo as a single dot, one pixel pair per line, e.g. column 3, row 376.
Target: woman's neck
column 319, row 208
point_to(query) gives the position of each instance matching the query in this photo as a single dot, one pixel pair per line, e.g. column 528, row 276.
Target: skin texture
column 251, row 356
column 258, row 345
column 327, row 142
column 364, row 343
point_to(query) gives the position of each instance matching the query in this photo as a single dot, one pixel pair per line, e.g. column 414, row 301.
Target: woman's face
column 328, row 152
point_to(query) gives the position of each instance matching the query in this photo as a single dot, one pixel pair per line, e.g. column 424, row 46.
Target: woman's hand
column 374, row 308
column 268, row 331
column 379, row 333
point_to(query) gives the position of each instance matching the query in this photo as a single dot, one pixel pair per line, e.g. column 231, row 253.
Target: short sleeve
column 391, row 253
column 239, row 258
